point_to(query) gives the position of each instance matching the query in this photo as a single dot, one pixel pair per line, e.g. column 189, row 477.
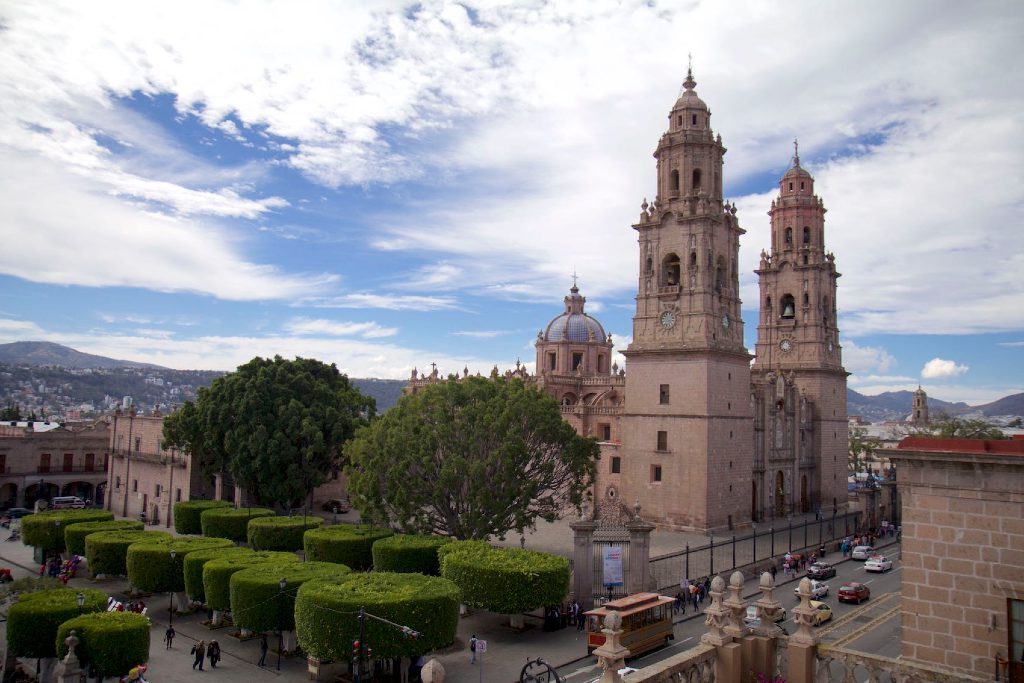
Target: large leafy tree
column 949, row 427
column 470, row 458
column 862, row 449
column 276, row 425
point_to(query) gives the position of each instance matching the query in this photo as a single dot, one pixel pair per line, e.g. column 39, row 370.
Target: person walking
column 263, row 650
column 199, row 650
column 472, row 649
column 169, row 637
column 213, row 653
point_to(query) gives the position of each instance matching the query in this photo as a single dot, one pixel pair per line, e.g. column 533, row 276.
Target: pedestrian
column 213, row 653
column 263, row 650
column 199, row 650
column 774, row 571
column 678, row 604
column 577, row 615
column 472, row 649
column 169, row 636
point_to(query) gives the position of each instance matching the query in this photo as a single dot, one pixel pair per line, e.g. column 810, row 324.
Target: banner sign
column 613, row 566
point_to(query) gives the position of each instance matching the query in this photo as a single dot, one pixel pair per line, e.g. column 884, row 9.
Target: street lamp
column 280, row 620
column 80, row 599
column 170, row 601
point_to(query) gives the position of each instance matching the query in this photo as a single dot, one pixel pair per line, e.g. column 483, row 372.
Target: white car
column 862, row 552
column 878, row 563
column 751, row 618
column 819, row 589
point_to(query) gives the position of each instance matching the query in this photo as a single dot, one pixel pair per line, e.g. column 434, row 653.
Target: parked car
column 17, row 513
column 821, row 570
column 878, row 563
column 853, row 592
column 819, row 589
column 750, row 619
column 862, row 552
column 341, row 503
column 66, row 503
column 822, row 612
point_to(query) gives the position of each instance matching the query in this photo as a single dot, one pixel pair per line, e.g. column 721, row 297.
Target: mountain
column 1008, row 405
column 896, row 405
column 47, row 353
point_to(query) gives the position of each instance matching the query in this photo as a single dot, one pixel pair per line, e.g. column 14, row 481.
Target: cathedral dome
column 688, row 99
column 574, row 325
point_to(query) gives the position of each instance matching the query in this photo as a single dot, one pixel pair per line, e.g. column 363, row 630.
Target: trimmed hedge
column 231, row 523
column 107, row 551
column 326, row 622
column 280, row 533
column 74, row 535
column 113, row 642
column 507, row 580
column 150, row 568
column 217, row 573
column 409, row 554
column 257, row 602
column 33, row 620
column 42, row 530
column 193, row 565
column 187, row 513
column 344, row 544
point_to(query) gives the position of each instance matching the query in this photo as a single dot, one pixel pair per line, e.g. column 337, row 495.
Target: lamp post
column 170, row 602
column 80, row 599
column 280, row 620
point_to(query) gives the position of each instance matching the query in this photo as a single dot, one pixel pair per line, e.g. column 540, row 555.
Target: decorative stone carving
column 736, row 606
column 803, row 615
column 432, row 672
column 612, row 655
column 767, row 607
column 716, row 616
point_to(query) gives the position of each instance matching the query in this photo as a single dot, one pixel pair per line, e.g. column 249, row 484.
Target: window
column 600, row 363
column 177, row 495
column 157, row 489
column 577, row 360
column 616, row 464
column 90, row 461
column 69, row 462
column 655, row 473
column 117, row 482
column 679, row 120
column 135, row 485
column 694, row 120
column 789, row 237
column 696, row 178
column 791, row 187
column 551, row 360
column 663, row 394
column 788, row 307
column 662, row 441
column 670, row 271
column 673, row 183
column 138, row 444
column 807, row 235
column 649, row 265
column 606, row 432
column 44, row 462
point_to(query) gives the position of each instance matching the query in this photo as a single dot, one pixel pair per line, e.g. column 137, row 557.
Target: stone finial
column 585, row 510
column 636, row 509
column 803, row 616
column 432, row 672
column 767, row 607
column 736, row 606
column 72, row 642
column 716, row 616
column 612, row 655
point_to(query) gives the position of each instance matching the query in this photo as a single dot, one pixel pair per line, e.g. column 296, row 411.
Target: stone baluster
column 767, row 607
column 804, row 642
column 729, row 658
column 70, row 669
column 612, row 655
column 736, row 606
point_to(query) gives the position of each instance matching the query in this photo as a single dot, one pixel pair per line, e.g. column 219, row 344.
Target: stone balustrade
column 838, row 665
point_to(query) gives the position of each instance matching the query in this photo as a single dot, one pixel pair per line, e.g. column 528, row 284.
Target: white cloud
column 481, row 334
column 865, row 359
column 385, row 301
column 19, row 330
column 309, row 326
column 937, row 368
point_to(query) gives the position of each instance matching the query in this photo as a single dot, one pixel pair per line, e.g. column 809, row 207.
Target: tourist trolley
column 646, row 622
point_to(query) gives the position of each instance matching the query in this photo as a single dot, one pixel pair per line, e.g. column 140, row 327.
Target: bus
column 646, row 622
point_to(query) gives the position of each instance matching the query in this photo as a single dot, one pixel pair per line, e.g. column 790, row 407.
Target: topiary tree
column 344, row 544
column 33, row 620
column 231, row 523
column 408, row 554
column 151, row 569
column 187, row 520
column 217, row 573
column 74, row 535
column 259, row 604
column 46, row 529
column 107, row 551
column 507, row 580
column 326, row 614
column 280, row 533
column 193, row 565
column 112, row 642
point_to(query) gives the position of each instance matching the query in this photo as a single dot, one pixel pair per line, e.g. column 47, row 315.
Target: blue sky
column 385, row 185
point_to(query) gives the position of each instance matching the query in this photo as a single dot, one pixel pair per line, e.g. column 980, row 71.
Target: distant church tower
column 919, row 416
column 799, row 384
column 687, row 432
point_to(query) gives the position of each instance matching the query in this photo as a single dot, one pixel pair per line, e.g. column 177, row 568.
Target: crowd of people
column 692, row 592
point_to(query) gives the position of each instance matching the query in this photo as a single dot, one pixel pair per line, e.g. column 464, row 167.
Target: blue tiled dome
column 574, row 325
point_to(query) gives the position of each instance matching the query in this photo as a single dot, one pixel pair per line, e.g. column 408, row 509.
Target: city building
column 40, row 460
column 962, row 552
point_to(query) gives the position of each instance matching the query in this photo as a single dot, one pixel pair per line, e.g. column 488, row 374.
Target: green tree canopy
column 862, row 447
column 470, row 458
column 948, row 427
column 276, row 425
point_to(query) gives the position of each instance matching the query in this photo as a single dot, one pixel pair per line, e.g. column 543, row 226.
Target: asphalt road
column 848, row 627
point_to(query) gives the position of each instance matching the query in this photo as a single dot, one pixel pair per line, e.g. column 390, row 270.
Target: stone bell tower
column 799, row 380
column 686, row 423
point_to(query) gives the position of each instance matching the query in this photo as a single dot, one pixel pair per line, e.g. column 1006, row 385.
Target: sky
column 386, row 185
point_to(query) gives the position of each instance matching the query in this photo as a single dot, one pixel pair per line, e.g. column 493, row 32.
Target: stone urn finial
column 432, row 672
column 636, row 509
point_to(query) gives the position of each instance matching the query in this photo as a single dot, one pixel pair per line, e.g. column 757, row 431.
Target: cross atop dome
column 689, row 83
column 796, row 153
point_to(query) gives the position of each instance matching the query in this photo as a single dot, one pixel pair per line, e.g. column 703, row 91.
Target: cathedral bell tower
column 686, row 422
column 798, row 376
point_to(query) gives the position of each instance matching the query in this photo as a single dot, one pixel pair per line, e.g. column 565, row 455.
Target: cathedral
column 700, row 436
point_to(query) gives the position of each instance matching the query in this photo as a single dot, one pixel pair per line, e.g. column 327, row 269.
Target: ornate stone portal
column 611, row 525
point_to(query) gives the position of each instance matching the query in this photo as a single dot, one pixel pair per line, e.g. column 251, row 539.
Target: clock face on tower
column 668, row 320
column 785, row 345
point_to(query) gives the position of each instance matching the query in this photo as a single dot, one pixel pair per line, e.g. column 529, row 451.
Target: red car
column 854, row 592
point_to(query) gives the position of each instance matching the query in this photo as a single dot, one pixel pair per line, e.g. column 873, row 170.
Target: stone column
column 803, row 643
column 612, row 655
column 583, row 561
column 639, row 552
